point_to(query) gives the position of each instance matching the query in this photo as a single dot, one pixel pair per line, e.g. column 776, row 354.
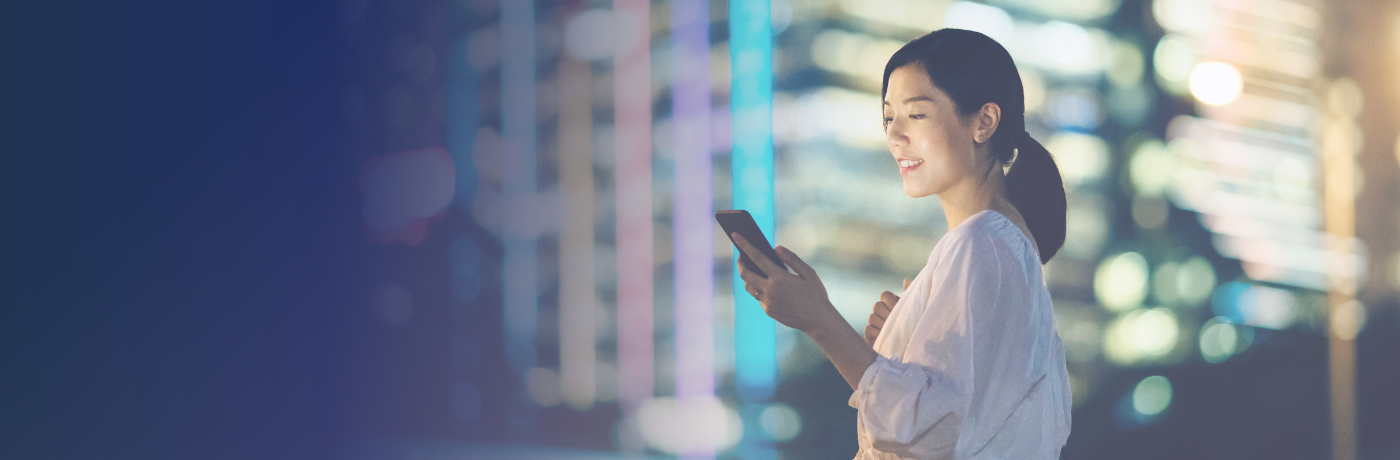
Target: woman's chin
column 915, row 192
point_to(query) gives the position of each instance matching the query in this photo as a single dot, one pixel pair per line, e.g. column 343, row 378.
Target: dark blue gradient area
column 178, row 215
column 203, row 254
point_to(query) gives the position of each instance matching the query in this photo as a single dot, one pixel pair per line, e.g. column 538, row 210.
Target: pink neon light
column 632, row 108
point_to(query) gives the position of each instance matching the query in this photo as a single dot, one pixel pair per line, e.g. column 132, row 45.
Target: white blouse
column 969, row 364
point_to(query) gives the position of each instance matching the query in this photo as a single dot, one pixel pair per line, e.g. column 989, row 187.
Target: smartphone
column 741, row 222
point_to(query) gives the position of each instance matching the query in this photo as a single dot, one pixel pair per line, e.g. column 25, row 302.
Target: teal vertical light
column 751, row 160
column 751, row 112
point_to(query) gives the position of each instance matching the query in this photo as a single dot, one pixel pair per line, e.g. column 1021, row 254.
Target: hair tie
column 1015, row 153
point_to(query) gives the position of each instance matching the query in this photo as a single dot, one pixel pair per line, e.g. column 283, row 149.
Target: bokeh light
column 912, row 16
column 1141, row 335
column 1188, row 283
column 1081, row 157
column 1151, row 167
column 1221, row 339
column 1195, row 280
column 1034, row 87
column 1344, row 97
column 1294, row 180
column 1152, row 395
column 855, row 54
column 1075, row 110
column 1182, row 15
column 1173, row 59
column 1068, row 48
column 1087, row 11
column 1150, row 211
column 1347, row 320
column 696, row 425
column 1255, row 305
column 780, row 13
column 983, row 18
column 1086, row 227
column 1215, row 83
column 1120, row 283
column 1127, row 64
column 781, row 421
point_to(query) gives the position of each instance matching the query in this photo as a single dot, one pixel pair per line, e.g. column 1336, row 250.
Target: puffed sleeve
column 915, row 401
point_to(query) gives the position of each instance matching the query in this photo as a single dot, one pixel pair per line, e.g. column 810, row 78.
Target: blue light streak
column 751, row 108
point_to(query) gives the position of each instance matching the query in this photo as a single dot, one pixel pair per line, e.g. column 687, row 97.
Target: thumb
column 906, row 283
column 802, row 269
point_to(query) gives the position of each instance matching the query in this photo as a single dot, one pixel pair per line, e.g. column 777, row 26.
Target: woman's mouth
column 905, row 166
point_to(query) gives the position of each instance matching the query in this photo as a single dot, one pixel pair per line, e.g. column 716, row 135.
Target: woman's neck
column 972, row 196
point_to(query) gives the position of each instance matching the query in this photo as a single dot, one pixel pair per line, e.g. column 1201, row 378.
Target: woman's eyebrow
column 914, row 99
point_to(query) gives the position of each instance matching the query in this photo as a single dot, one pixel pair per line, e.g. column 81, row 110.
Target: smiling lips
column 905, row 166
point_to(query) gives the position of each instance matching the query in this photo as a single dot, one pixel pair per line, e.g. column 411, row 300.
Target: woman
column 967, row 364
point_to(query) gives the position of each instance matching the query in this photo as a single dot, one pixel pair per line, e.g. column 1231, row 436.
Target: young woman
column 967, row 363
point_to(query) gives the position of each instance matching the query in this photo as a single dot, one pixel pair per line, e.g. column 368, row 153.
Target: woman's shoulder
column 985, row 239
column 984, row 230
column 990, row 223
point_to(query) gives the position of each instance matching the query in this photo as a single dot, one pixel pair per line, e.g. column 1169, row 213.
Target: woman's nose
column 894, row 133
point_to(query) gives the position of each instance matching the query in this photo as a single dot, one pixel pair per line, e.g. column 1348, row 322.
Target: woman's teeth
column 909, row 163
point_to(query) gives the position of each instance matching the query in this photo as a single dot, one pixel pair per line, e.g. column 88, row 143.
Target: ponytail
column 1034, row 186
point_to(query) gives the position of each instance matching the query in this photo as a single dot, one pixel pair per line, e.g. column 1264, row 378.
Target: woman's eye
column 888, row 120
column 918, row 116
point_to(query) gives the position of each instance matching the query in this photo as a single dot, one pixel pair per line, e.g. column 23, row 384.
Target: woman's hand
column 881, row 313
column 797, row 300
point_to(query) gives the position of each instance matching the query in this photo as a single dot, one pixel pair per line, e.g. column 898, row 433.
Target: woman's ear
column 985, row 122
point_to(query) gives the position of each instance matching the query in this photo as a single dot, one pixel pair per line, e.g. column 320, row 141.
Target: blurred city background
column 483, row 228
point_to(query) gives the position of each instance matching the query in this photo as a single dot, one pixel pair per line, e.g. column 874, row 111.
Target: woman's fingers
column 876, row 320
column 879, row 314
column 753, row 283
column 790, row 258
column 889, row 299
column 906, row 284
column 746, row 273
column 882, row 309
column 757, row 257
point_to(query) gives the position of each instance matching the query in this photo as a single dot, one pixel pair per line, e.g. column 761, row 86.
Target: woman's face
column 931, row 142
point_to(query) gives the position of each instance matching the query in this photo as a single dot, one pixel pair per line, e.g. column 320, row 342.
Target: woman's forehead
column 910, row 84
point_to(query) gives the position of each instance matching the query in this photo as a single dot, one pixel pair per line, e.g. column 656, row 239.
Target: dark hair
column 973, row 70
